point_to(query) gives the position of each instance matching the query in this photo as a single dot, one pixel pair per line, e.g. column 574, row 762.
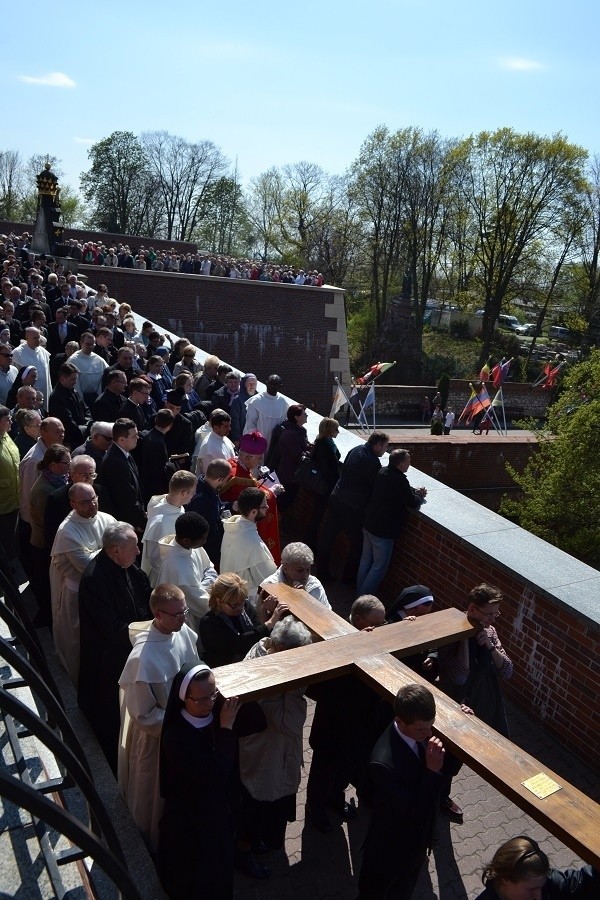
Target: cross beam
column 568, row 814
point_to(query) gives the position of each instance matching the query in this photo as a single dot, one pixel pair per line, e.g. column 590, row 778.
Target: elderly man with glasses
column 159, row 652
column 78, row 539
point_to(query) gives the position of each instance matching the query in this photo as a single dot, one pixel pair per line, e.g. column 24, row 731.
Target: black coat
column 391, row 499
column 107, row 408
column 120, row 478
column 155, row 458
column 227, row 639
column 207, row 503
column 572, row 884
column 355, row 484
column 404, row 794
column 110, row 598
column 55, row 344
column 327, row 461
column 66, row 404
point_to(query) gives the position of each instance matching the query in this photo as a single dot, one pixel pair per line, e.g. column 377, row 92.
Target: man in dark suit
column 113, row 592
column 65, row 404
column 104, row 346
column 59, row 332
column 120, row 477
column 107, row 408
column 405, row 783
column 138, row 405
column 155, row 456
column 76, row 318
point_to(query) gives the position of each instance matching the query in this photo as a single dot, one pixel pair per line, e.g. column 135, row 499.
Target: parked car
column 511, row 323
column 529, row 328
column 559, row 333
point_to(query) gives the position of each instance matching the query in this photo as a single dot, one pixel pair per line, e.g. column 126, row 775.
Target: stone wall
column 403, row 401
column 257, row 326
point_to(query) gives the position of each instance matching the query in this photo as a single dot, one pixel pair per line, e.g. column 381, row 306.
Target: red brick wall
column 257, row 326
column 555, row 652
column 475, row 468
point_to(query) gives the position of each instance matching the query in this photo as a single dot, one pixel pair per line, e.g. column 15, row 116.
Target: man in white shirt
column 185, row 563
column 216, row 444
column 90, row 367
column 267, row 409
column 242, row 550
column 296, row 561
column 77, row 541
column 32, row 354
column 163, row 512
column 159, row 652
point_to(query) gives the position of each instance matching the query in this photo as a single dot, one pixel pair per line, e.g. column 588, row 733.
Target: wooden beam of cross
column 341, row 649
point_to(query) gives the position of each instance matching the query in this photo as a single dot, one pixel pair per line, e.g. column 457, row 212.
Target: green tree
column 561, row 482
column 119, row 187
column 517, row 187
column 12, row 184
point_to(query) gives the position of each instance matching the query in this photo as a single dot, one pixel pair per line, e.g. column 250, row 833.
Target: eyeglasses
column 234, row 606
column 177, row 615
column 210, row 698
column 89, row 476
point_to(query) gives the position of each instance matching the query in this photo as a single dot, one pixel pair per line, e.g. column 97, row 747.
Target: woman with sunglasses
column 520, row 870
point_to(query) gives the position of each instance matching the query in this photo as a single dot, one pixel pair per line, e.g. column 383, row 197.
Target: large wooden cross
column 340, row 649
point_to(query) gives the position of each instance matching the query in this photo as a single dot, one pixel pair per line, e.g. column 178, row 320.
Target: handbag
column 308, row 476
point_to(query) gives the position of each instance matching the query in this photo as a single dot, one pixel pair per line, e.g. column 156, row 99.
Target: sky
column 275, row 83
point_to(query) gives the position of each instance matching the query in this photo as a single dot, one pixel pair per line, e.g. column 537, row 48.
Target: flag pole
column 350, row 405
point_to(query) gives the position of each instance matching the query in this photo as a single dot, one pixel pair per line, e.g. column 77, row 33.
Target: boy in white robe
column 186, row 563
column 163, row 511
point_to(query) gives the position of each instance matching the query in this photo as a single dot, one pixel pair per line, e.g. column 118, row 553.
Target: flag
column 500, row 371
column 484, row 375
column 551, row 376
column 375, row 371
column 339, row 400
column 369, row 402
column 481, row 401
column 497, row 401
column 468, row 406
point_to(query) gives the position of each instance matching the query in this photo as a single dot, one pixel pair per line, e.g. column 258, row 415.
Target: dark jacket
column 120, row 477
column 110, row 598
column 55, row 344
column 355, row 484
column 404, row 794
column 207, row 503
column 66, row 404
column 574, row 884
column 391, row 499
column 293, row 442
column 154, row 473
column 107, row 408
column 226, row 639
column 327, row 460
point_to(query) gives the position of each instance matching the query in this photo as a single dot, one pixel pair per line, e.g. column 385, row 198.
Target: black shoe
column 246, row 863
column 319, row 820
column 453, row 812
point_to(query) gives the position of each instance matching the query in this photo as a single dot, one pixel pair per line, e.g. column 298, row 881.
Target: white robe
column 190, row 570
column 91, row 369
column 77, row 541
column 244, row 553
column 162, row 516
column 145, row 684
column 40, row 358
column 264, row 412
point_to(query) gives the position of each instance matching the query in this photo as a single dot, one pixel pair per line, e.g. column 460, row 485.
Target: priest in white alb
column 159, row 652
column 163, row 512
column 77, row 541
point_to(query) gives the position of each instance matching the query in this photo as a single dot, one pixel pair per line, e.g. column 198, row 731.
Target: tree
column 225, row 226
column 263, row 203
column 184, row 173
column 561, row 482
column 12, row 184
column 516, row 187
column 119, row 186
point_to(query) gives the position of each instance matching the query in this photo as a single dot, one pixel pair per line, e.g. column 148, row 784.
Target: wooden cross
column 340, row 649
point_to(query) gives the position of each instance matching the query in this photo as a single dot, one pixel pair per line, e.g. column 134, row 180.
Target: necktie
column 421, row 750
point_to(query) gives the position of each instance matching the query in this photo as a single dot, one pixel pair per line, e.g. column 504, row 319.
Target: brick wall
column 520, row 400
column 549, row 622
column 475, row 468
column 261, row 327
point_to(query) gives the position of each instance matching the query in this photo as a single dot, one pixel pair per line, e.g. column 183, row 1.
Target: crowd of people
column 120, row 255
column 112, row 440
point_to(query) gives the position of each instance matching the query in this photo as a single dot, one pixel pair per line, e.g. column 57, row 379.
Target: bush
column 437, row 427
